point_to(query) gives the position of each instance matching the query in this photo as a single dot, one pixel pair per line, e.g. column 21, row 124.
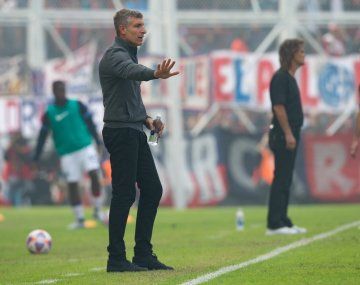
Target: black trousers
column 280, row 188
column 131, row 163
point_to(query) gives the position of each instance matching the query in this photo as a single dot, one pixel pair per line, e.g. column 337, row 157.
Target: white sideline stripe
column 271, row 254
column 68, row 275
column 97, row 269
column 48, row 281
column 73, row 274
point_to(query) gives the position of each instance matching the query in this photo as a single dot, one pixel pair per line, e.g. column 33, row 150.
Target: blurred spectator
column 264, row 173
column 17, row 170
column 334, row 41
column 239, row 45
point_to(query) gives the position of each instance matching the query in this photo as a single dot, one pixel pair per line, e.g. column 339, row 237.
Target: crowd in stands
column 246, row 5
column 227, row 5
column 267, row 5
column 74, row 4
column 336, row 40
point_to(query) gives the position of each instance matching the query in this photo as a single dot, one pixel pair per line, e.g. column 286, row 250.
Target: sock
column 79, row 213
column 97, row 203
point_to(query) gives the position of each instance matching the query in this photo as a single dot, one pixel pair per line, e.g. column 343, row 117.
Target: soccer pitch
column 195, row 242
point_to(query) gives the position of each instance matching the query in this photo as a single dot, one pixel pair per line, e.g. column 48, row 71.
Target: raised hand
column 163, row 70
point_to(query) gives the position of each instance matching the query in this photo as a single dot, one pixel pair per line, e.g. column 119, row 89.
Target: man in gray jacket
column 124, row 138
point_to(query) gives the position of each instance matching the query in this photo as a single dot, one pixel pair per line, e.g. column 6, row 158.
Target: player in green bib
column 73, row 131
column 63, row 121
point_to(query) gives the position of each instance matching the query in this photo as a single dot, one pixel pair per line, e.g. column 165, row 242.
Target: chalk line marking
column 271, row 254
column 73, row 274
column 95, row 269
column 67, row 275
column 47, row 281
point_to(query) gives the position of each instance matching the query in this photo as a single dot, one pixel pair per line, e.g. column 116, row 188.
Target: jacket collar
column 120, row 42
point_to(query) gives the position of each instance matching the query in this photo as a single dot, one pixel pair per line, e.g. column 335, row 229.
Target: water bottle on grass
column 240, row 220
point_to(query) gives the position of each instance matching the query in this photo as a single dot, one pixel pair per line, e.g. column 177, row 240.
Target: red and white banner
column 326, row 84
column 331, row 173
column 195, row 82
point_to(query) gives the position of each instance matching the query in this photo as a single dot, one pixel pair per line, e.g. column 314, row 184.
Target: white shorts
column 74, row 164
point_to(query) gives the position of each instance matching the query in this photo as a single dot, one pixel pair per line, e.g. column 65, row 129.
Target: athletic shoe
column 282, row 231
column 76, row 225
column 299, row 230
column 100, row 217
column 123, row 266
column 151, row 262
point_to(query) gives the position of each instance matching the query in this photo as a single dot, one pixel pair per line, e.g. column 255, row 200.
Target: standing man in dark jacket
column 124, row 138
column 284, row 135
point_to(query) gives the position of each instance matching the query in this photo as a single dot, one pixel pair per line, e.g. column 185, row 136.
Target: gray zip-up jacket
column 120, row 79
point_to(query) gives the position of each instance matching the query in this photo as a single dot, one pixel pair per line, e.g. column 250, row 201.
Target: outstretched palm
column 163, row 70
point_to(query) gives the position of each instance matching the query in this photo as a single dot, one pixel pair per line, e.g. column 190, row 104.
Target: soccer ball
column 39, row 241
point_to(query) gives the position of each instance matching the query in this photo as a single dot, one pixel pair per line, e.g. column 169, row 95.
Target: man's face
column 134, row 32
column 299, row 57
column 59, row 94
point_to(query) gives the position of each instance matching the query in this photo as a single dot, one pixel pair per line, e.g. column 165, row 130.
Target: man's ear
column 122, row 29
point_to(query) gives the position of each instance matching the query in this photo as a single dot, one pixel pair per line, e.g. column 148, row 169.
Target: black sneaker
column 123, row 266
column 150, row 262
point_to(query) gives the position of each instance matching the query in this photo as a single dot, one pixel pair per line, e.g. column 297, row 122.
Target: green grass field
column 195, row 242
